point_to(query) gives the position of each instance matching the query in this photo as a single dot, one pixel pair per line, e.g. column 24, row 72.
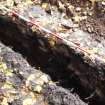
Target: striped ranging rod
column 57, row 35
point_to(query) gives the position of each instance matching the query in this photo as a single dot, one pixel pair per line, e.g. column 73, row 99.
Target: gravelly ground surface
column 20, row 84
column 21, row 81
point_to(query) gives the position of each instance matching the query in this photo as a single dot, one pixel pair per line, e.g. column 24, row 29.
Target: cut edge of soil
column 52, row 61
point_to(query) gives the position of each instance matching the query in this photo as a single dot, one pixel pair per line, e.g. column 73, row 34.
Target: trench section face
column 64, row 66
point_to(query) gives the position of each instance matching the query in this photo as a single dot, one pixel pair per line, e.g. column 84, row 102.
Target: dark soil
column 95, row 26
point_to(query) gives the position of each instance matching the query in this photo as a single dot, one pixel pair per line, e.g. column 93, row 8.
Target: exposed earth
column 64, row 41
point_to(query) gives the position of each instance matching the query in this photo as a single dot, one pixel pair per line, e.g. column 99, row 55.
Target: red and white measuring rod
column 57, row 35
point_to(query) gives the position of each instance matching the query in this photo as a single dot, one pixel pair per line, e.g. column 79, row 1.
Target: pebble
column 38, row 89
column 103, row 2
column 78, row 9
column 27, row 101
column 10, row 3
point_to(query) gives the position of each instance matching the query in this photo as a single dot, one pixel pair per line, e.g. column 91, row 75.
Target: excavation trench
column 65, row 67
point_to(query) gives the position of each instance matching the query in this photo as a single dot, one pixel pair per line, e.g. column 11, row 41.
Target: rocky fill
column 21, row 84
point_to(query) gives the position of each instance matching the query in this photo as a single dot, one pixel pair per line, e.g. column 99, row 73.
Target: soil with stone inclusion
column 13, row 90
